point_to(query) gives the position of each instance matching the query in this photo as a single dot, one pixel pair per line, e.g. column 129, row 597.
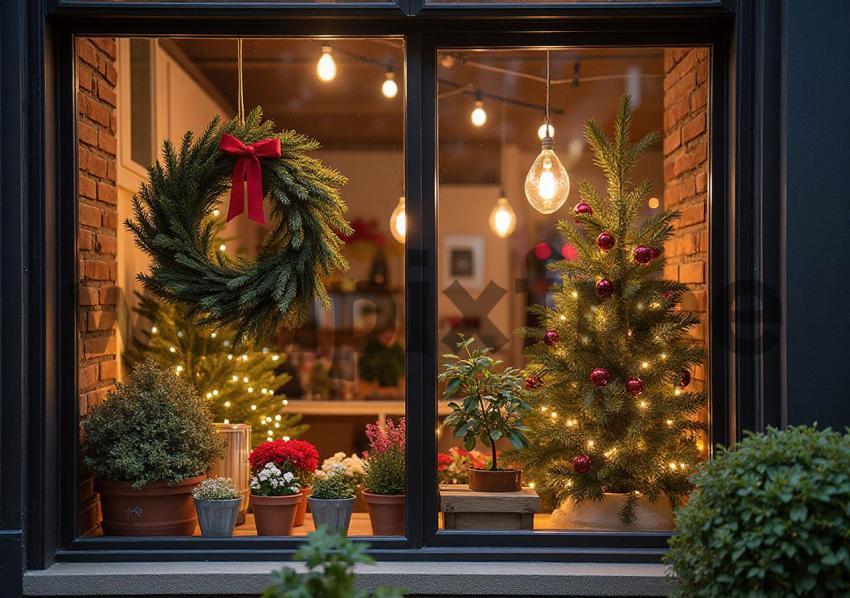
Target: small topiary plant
column 330, row 560
column 769, row 518
column 156, row 428
column 334, row 484
column 216, row 489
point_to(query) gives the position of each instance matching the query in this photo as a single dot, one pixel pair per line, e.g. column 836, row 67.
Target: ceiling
column 350, row 112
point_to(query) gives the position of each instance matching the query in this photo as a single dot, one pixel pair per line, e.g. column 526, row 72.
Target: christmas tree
column 609, row 364
column 242, row 385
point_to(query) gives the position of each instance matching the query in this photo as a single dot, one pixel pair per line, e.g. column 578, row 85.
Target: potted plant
column 298, row 457
column 217, row 503
column 385, row 478
column 332, row 500
column 330, row 560
column 380, row 366
column 354, row 468
column 486, row 405
column 275, row 496
column 767, row 518
column 149, row 444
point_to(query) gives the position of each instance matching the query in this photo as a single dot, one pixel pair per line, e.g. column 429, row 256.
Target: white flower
column 288, row 476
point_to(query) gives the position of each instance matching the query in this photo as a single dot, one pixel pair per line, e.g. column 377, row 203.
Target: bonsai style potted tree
column 385, row 479
column 275, row 496
column 486, row 405
column 298, row 457
column 333, row 499
column 217, row 502
column 149, row 444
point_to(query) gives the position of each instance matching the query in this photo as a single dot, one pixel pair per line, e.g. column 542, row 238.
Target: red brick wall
column 686, row 177
column 97, row 238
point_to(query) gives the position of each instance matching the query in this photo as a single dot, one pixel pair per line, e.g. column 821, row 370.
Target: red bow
column 247, row 168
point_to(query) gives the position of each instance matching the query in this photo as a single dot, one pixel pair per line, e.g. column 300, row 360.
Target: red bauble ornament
column 581, row 463
column 599, row 376
column 634, row 386
column 654, row 252
column 604, row 288
column 582, row 209
column 643, row 254
column 551, row 337
column 532, row 382
column 605, row 241
column 684, row 378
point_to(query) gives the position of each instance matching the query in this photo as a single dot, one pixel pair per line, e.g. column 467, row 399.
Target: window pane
column 323, row 381
column 585, row 272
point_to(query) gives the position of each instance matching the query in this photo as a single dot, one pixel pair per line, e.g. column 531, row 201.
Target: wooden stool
column 465, row 509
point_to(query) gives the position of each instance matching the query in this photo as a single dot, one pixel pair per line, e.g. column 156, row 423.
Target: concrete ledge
column 431, row 578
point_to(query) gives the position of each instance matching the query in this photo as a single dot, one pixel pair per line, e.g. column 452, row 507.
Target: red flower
column 298, row 456
column 443, row 461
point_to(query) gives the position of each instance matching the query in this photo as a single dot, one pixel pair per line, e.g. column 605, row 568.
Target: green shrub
column 333, row 484
column 330, row 560
column 156, row 428
column 770, row 517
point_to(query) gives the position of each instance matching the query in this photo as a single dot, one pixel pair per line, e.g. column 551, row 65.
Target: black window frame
column 744, row 244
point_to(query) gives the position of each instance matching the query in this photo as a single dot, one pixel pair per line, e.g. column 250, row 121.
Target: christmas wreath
column 174, row 223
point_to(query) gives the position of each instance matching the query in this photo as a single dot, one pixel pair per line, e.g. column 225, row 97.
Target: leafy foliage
column 770, row 517
column 216, row 489
column 381, row 364
column 173, row 223
column 334, row 484
column 487, row 405
column 156, row 428
column 637, row 444
column 232, row 381
column 385, row 465
column 330, row 561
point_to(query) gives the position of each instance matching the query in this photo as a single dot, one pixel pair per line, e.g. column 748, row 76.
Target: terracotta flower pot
column 158, row 509
column 301, row 511
column 500, row 480
column 386, row 512
column 274, row 515
column 604, row 514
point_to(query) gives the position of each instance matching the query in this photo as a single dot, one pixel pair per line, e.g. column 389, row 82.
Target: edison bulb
column 390, row 87
column 503, row 218
column 479, row 115
column 547, row 184
column 541, row 132
column 326, row 67
column 398, row 221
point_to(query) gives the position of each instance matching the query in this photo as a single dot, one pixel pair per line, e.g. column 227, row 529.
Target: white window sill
column 430, row 578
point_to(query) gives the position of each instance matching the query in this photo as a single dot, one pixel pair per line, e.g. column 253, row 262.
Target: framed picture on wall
column 463, row 260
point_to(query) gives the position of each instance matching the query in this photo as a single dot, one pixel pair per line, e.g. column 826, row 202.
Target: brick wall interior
column 97, row 238
column 686, row 178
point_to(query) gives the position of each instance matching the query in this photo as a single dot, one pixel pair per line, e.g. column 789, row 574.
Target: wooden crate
column 465, row 509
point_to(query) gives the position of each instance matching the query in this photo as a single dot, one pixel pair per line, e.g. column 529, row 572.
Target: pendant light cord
column 548, row 86
column 240, row 107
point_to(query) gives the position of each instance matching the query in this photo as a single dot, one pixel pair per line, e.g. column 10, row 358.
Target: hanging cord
column 502, row 152
column 548, row 87
column 240, row 107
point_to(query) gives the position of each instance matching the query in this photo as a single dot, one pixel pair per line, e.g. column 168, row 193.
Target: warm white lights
column 398, row 221
column 547, row 184
column 541, row 132
column 654, row 202
column 326, row 67
column 390, row 87
column 503, row 218
column 478, row 115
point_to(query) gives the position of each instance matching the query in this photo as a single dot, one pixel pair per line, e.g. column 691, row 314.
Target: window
column 322, row 382
column 614, row 377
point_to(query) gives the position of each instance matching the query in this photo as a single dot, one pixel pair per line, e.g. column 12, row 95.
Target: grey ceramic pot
column 217, row 518
column 335, row 514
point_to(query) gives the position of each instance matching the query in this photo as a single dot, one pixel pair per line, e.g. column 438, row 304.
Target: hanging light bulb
column 398, row 221
column 541, row 132
column 478, row 115
column 547, row 184
column 503, row 217
column 326, row 67
column 390, row 87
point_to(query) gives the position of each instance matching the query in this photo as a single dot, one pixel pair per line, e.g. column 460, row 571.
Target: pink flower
column 391, row 436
